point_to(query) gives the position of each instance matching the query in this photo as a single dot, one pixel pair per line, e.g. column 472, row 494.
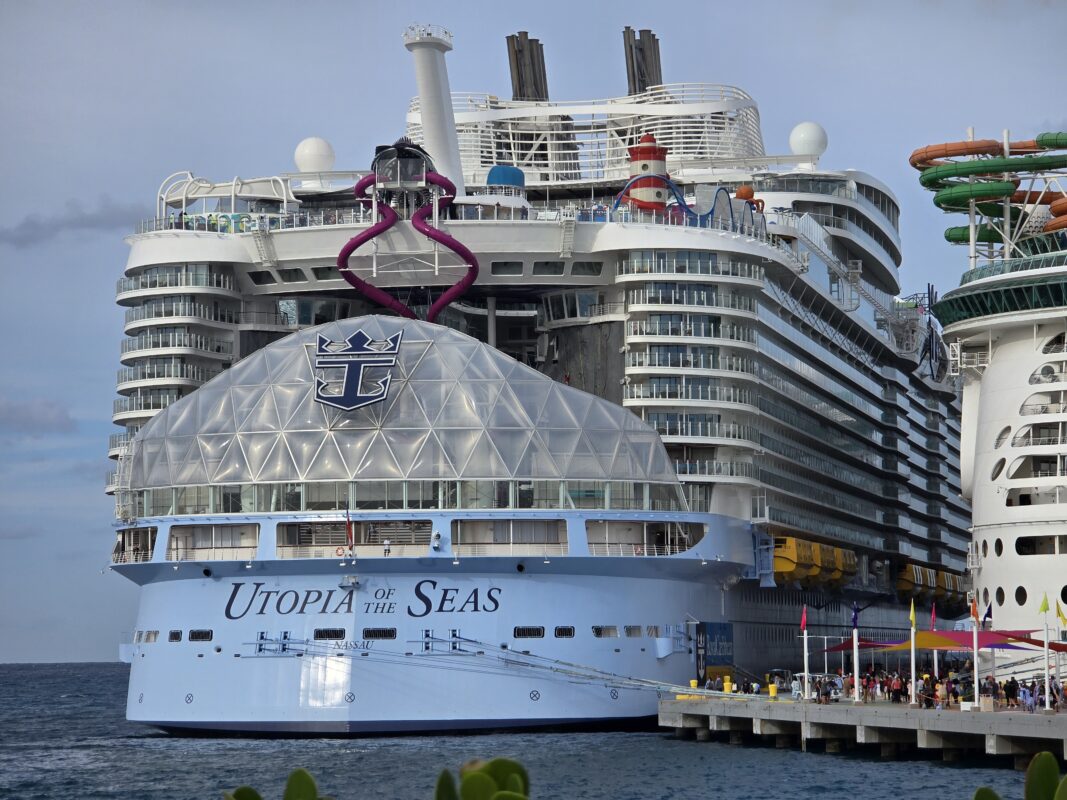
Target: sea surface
column 63, row 734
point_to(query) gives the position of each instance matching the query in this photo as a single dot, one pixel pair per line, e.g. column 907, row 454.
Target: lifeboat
column 845, row 561
column 916, row 581
column 794, row 559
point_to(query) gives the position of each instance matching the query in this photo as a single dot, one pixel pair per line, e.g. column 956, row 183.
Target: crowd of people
column 931, row 691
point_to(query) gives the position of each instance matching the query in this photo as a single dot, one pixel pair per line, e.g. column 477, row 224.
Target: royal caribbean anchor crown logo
column 349, row 387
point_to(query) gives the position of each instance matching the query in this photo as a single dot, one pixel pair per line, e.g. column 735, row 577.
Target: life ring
column 340, row 551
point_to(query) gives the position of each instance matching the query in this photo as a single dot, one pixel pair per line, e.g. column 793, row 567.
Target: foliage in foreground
column 497, row 779
column 1042, row 781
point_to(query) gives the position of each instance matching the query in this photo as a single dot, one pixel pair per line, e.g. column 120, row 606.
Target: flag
column 988, row 615
column 1059, row 615
column 933, row 616
column 974, row 608
column 349, row 533
column 804, row 619
column 911, row 616
column 1044, row 604
column 855, row 616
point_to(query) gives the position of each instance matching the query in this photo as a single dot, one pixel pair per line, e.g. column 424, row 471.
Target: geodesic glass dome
column 436, row 405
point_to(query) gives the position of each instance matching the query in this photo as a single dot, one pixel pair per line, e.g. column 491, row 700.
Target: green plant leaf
column 985, row 793
column 301, row 786
column 446, row 787
column 1061, row 793
column 245, row 793
column 477, row 786
column 501, row 768
column 505, row 795
column 1042, row 777
column 514, row 784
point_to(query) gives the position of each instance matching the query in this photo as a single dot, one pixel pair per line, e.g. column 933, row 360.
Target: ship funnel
column 429, row 43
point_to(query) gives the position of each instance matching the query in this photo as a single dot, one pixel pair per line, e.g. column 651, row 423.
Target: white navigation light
column 314, row 155
column 808, row 139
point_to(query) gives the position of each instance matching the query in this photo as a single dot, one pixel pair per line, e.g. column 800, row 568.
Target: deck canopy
column 427, row 403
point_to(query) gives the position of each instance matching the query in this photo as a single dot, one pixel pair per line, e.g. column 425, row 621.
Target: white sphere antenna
column 808, row 139
column 314, row 155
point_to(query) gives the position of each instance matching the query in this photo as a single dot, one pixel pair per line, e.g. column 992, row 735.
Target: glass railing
column 725, row 469
column 653, row 297
column 830, row 221
column 151, row 402
column 669, row 266
column 198, row 310
column 147, row 372
column 705, row 330
column 711, row 394
column 691, row 361
column 706, row 430
column 174, row 281
column 117, row 440
column 187, row 341
column 1007, row 266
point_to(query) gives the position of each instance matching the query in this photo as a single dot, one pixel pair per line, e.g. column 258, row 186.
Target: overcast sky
column 101, row 101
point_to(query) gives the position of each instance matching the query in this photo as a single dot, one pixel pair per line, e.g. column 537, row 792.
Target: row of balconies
column 182, row 341
column 685, row 391
column 694, row 360
column 691, row 297
column 145, row 402
column 169, row 280
column 202, row 311
column 178, row 370
column 694, row 329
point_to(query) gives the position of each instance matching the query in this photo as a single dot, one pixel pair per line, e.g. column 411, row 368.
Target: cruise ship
column 640, row 255
column 1005, row 325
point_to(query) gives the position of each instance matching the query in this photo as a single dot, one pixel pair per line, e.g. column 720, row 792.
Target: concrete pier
column 894, row 729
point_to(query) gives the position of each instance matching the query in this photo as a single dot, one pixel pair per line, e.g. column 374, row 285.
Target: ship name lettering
column 379, row 608
column 310, row 601
column 358, row 644
column 444, row 600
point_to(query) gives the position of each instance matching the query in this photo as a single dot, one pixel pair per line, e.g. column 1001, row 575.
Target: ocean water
column 63, row 734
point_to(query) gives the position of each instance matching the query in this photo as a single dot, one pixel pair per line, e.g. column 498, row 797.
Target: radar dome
column 808, row 139
column 314, row 155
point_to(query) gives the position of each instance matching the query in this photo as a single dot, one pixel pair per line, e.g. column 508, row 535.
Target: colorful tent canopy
column 953, row 640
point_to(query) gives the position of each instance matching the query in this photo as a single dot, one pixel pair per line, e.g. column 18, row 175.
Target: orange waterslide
column 931, row 155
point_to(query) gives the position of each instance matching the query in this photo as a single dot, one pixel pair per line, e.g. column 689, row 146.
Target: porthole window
column 174, row 636
column 985, row 597
column 201, row 635
column 985, row 549
column 998, row 548
column 1003, row 436
column 1020, row 596
column 997, row 468
column 529, row 632
column 606, row 631
column 379, row 633
column 1000, row 596
column 1063, row 594
column 329, row 634
column 564, row 631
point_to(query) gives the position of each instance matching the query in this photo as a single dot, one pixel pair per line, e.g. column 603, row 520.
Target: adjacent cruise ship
column 644, row 249
column 1006, row 325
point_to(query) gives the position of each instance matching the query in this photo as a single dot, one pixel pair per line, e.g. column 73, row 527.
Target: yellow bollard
column 772, row 691
column 727, row 685
column 693, row 683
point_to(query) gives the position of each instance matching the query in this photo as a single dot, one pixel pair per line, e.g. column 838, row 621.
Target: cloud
column 35, row 418
column 106, row 215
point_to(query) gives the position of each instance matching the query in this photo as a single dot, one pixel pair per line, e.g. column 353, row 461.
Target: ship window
column 292, row 275
column 1000, row 596
column 137, row 637
column 587, row 267
column 564, row 631
column 174, row 636
column 548, row 268
column 997, row 469
column 261, row 277
column 1036, row 545
column 1020, row 596
column 201, row 635
column 652, row 631
column 998, row 547
column 379, row 633
column 329, row 633
column 632, row 631
column 326, row 273
column 1002, row 436
column 151, row 636
column 606, row 631
column 529, row 632
column 505, row 268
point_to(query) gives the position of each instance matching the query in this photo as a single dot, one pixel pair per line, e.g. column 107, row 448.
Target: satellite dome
column 808, row 139
column 314, row 155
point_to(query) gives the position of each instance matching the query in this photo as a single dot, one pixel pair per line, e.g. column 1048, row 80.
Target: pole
column 974, row 630
column 807, row 675
column 936, row 673
column 1048, row 676
column 856, row 665
column 826, row 655
column 914, row 695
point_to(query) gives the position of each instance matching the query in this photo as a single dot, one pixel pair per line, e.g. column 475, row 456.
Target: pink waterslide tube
column 387, row 218
column 418, row 220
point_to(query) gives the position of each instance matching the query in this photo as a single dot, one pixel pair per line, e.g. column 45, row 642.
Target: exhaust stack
column 642, row 60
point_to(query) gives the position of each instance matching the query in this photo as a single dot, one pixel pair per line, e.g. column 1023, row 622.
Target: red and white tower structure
column 648, row 159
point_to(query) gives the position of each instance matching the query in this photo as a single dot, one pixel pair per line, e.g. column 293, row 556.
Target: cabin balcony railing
column 726, row 469
column 705, row 330
column 689, row 298
column 147, row 372
column 711, row 361
column 174, row 281
column 199, row 310
column 212, row 553
column 634, row 549
column 721, row 268
column 144, row 402
column 131, row 557
column 187, row 341
column 719, row 394
column 1043, row 408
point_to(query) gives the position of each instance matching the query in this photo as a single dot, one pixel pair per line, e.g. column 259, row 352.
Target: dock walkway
column 892, row 727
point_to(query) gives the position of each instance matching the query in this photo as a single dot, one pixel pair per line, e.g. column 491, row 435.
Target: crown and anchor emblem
column 354, row 356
